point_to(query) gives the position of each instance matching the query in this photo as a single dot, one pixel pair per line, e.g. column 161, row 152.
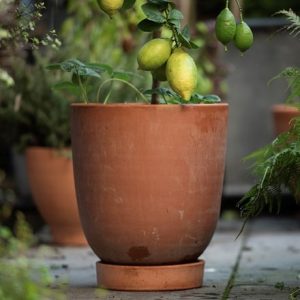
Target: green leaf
column 185, row 42
column 124, row 75
column 176, row 23
column 194, row 45
column 100, row 68
column 162, row 3
column 176, row 14
column 128, row 4
column 153, row 13
column 77, row 67
column 68, row 86
column 208, row 99
column 161, row 92
column 186, row 32
column 149, row 26
column 56, row 66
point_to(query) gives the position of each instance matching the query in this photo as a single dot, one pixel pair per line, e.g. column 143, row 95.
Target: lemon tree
column 166, row 55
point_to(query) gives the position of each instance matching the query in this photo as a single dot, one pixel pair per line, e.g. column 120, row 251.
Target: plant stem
column 83, row 91
column 175, row 35
column 155, row 82
column 240, row 9
column 123, row 81
column 227, row 3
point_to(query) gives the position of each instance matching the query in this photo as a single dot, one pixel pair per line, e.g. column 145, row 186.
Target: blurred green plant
column 19, row 277
column 291, row 74
column 30, row 112
column 37, row 114
column 18, row 25
column 111, row 42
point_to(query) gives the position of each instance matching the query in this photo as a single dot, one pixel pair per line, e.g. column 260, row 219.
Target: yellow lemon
column 110, row 6
column 154, row 54
column 182, row 73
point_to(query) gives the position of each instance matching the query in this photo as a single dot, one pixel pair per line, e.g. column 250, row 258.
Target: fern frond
column 292, row 75
column 294, row 19
column 278, row 168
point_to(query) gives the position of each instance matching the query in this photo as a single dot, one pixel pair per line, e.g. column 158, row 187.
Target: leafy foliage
column 278, row 168
column 113, row 42
column 19, row 277
column 33, row 114
column 18, row 24
column 291, row 74
column 163, row 13
column 170, row 97
column 294, row 19
column 81, row 75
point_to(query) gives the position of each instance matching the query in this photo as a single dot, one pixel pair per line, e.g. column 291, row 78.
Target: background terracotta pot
column 149, row 179
column 282, row 115
column 52, row 184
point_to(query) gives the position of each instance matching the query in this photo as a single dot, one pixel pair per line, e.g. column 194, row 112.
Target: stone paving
column 263, row 264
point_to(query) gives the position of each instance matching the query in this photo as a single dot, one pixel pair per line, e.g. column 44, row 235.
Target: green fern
column 293, row 19
column 291, row 74
column 278, row 169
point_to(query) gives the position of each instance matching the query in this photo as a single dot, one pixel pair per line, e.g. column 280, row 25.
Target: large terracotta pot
column 52, row 184
column 149, row 182
column 282, row 115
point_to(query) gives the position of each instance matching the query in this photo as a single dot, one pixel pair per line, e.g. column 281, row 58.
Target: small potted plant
column 42, row 132
column 38, row 119
column 149, row 173
column 284, row 113
column 277, row 165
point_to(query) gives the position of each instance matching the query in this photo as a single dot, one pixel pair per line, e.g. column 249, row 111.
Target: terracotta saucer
column 150, row 278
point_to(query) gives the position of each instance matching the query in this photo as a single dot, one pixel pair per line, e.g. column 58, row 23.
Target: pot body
column 282, row 115
column 149, row 179
column 52, row 185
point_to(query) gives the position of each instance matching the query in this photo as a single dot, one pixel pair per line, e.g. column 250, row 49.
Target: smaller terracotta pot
column 282, row 115
column 52, row 184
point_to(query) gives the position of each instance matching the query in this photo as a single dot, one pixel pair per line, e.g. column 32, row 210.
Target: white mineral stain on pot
column 119, row 200
column 155, row 233
column 181, row 214
column 190, row 237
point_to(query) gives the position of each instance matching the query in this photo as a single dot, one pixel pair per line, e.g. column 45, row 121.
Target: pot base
column 150, row 278
column 68, row 236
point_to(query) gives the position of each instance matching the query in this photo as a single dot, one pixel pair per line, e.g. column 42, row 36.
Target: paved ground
column 263, row 264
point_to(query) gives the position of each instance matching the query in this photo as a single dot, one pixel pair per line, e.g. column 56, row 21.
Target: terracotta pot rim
column 148, row 106
column 44, row 148
column 284, row 108
column 199, row 262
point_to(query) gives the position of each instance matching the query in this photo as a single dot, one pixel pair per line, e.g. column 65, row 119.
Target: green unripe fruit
column 225, row 26
column 110, row 6
column 154, row 54
column 243, row 39
column 160, row 73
